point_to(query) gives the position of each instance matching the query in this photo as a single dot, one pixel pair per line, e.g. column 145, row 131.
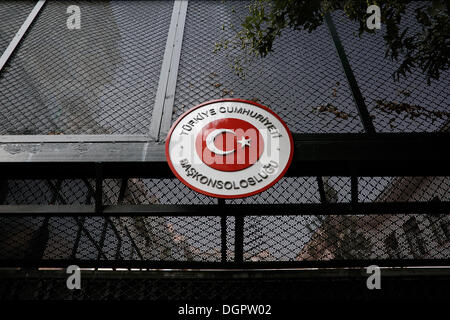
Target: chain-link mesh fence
column 100, row 79
column 111, row 238
column 190, row 239
column 286, row 238
column 104, row 80
column 172, row 191
column 301, row 75
column 407, row 105
column 266, row 238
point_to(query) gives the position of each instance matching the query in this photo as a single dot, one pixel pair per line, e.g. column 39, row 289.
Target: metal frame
column 236, row 285
column 241, row 210
column 127, row 156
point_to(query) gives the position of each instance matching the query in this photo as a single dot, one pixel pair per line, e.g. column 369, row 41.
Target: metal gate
column 83, row 175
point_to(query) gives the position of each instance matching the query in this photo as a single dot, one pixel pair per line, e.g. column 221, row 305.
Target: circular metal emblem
column 229, row 148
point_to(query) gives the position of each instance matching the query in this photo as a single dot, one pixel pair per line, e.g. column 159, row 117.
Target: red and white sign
column 229, row 148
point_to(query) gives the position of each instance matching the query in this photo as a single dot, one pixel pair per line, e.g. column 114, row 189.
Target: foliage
column 426, row 49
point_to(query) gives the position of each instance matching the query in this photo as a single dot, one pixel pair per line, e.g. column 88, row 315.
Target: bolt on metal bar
column 357, row 96
column 19, row 35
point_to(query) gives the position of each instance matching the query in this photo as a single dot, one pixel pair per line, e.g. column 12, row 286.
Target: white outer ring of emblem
column 277, row 148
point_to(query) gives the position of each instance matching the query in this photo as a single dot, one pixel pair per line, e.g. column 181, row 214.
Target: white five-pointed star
column 244, row 142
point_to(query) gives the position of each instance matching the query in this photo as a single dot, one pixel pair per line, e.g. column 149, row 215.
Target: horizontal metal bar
column 169, row 97
column 297, row 209
column 314, row 155
column 152, row 264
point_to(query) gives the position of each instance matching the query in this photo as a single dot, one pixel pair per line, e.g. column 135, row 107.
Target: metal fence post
column 239, row 239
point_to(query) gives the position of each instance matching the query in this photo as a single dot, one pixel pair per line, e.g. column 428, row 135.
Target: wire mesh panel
column 409, row 105
column 111, row 238
column 412, row 189
column 302, row 80
column 108, row 238
column 82, row 191
column 75, row 191
column 300, row 238
column 12, row 15
column 276, row 237
column 100, row 79
column 287, row 190
column 172, row 191
column 303, row 238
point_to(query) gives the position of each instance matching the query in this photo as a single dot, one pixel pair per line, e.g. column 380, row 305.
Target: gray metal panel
column 166, row 121
column 101, row 79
